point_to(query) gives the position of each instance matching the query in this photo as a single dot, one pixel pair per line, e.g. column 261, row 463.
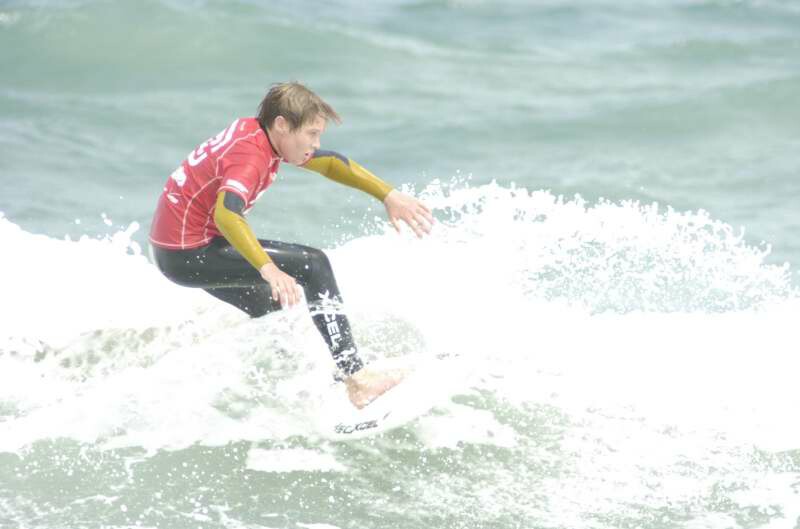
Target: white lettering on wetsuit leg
column 333, row 328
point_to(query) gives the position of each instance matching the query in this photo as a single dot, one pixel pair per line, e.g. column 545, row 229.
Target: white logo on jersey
column 179, row 176
column 216, row 143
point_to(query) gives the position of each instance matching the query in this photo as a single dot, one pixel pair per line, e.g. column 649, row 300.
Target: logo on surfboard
column 359, row 426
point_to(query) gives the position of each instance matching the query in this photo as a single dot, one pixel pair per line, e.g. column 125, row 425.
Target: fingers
column 284, row 289
column 288, row 295
column 425, row 219
column 423, row 210
column 415, row 225
column 416, row 215
column 419, row 223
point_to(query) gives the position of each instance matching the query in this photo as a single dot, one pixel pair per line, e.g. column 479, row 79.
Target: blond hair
column 297, row 104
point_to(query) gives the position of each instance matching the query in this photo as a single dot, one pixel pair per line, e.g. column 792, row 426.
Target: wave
column 625, row 308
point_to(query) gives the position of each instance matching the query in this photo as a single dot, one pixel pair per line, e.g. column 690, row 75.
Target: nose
column 315, row 145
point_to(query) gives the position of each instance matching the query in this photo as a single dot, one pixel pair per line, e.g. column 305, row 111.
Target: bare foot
column 366, row 385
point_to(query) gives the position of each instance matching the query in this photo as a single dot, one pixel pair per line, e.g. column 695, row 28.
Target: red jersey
column 238, row 160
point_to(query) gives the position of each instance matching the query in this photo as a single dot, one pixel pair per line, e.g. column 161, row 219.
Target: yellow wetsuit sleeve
column 345, row 171
column 239, row 234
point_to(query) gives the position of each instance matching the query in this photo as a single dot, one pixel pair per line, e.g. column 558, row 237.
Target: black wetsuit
column 221, row 271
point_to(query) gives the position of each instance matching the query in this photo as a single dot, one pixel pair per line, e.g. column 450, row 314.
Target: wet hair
column 297, row 104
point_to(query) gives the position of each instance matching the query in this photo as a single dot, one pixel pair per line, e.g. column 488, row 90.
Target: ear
column 281, row 125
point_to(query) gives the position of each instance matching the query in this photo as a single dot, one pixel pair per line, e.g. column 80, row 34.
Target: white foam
column 464, row 425
column 61, row 288
column 627, row 309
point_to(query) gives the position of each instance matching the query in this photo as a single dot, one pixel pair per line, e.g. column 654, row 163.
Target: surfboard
column 427, row 384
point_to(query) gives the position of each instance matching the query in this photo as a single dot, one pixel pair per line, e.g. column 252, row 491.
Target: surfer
column 200, row 238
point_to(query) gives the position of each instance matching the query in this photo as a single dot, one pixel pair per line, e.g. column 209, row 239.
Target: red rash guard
column 238, row 160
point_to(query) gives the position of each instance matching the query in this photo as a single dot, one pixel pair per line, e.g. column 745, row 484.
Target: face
column 297, row 146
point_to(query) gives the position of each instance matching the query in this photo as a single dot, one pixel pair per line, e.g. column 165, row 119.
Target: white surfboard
column 428, row 383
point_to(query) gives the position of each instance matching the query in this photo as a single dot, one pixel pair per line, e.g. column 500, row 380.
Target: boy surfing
column 200, row 237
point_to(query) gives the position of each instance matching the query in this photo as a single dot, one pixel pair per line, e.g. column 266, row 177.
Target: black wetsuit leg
column 221, row 271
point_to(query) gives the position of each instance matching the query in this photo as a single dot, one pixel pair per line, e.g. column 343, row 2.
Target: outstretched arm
column 399, row 206
column 345, row 171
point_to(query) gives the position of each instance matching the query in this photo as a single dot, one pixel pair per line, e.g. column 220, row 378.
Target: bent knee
column 320, row 264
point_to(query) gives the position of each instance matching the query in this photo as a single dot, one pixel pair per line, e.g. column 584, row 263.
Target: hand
column 417, row 215
column 366, row 385
column 283, row 286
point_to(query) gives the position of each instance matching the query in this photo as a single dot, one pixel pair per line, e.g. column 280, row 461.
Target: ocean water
column 614, row 264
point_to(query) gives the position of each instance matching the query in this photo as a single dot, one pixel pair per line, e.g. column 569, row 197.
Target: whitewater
column 625, row 364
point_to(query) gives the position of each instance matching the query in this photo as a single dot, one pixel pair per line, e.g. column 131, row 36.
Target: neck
column 272, row 144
